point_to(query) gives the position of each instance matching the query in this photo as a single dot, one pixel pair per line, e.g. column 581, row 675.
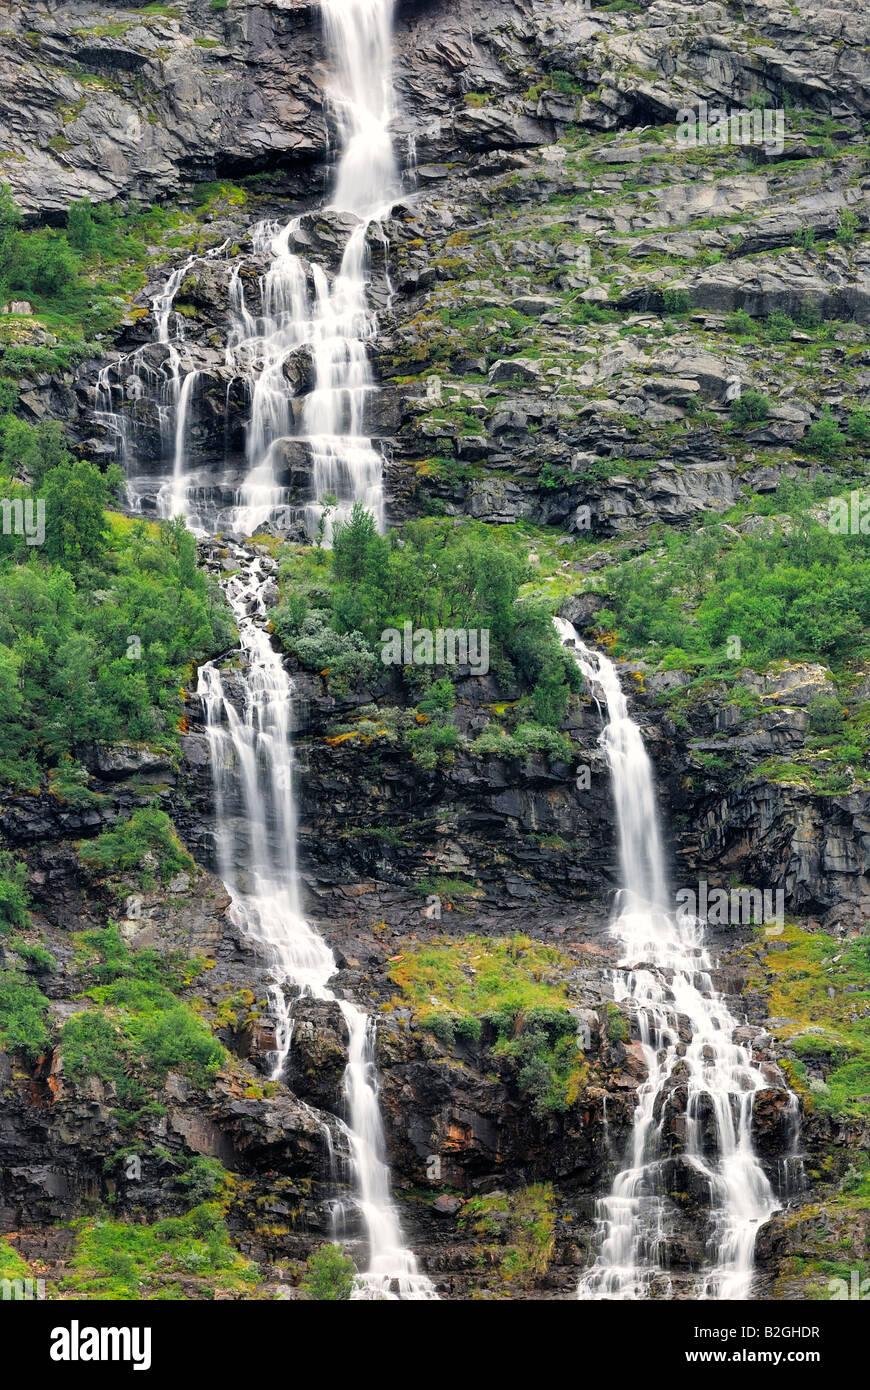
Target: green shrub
column 617, row 1029
column 92, row 1045
column 35, row 955
column 176, row 1040
column 676, row 301
column 826, row 715
column 824, row 438
column 14, row 897
column 23, row 1016
column 847, row 228
column 741, row 324
column 436, row 574
column 329, row 1275
column 434, row 740
column 749, row 408
column 132, row 1261
column 203, row 1179
column 67, row 673
column 778, row 327
column 148, row 832
column 858, row 426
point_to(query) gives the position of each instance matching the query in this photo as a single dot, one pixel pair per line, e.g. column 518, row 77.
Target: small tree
column 329, row 1275
column 824, row 438
column 749, row 408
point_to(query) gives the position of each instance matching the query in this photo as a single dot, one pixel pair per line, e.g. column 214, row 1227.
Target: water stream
column 694, row 1110
column 249, row 712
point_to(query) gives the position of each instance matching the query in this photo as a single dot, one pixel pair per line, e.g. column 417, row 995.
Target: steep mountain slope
column 567, row 297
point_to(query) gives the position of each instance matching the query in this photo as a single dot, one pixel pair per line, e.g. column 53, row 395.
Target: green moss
column 118, row 1260
column 477, row 976
column 516, row 1233
column 515, row 987
column 825, row 1033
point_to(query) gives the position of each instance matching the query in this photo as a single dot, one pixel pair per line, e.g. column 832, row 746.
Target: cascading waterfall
column 663, row 976
column 252, row 752
column 160, row 377
column 252, row 760
column 301, row 310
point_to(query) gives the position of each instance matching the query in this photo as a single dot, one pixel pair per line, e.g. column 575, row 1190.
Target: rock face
column 554, row 347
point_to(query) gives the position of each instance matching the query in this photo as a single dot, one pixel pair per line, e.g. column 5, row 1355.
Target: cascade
column 252, row 755
column 252, row 759
column 663, row 977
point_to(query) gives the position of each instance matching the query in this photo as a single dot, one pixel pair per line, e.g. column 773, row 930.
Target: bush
column 435, row 575
column 35, row 955
column 676, row 301
column 741, row 324
column 92, row 1045
column 749, row 408
column 67, row 674
column 14, row 897
column 23, row 1016
column 176, row 1040
column 858, row 426
column 203, row 1178
column 617, row 1029
column 329, row 1275
column 147, row 832
column 847, row 229
column 826, row 715
column 824, row 438
column 434, row 740
column 778, row 327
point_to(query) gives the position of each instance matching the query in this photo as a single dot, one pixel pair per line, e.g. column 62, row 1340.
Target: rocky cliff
column 566, row 296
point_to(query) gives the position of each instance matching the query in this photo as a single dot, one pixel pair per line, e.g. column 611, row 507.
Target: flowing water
column 699, row 1081
column 252, row 758
column 324, row 323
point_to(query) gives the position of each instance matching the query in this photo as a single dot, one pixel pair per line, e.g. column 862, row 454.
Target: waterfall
column 252, row 760
column 252, row 753
column 663, row 977
column 301, row 311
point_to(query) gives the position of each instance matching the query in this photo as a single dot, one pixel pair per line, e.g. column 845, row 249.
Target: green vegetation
column 335, row 606
column 750, row 407
column 513, row 986
column 824, row 438
column 516, row 1232
column 12, row 1266
column 97, row 634
column 120, row 1260
column 818, row 992
column 139, row 1030
column 147, row 837
column 14, row 897
column 23, row 1016
column 329, row 1275
column 80, row 279
column 799, row 591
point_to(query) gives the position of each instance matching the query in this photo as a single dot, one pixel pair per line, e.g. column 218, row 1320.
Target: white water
column 255, row 815
column 167, row 384
column 252, row 752
column 663, row 975
column 302, row 310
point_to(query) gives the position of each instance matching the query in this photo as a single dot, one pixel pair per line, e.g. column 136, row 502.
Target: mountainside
column 619, row 374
